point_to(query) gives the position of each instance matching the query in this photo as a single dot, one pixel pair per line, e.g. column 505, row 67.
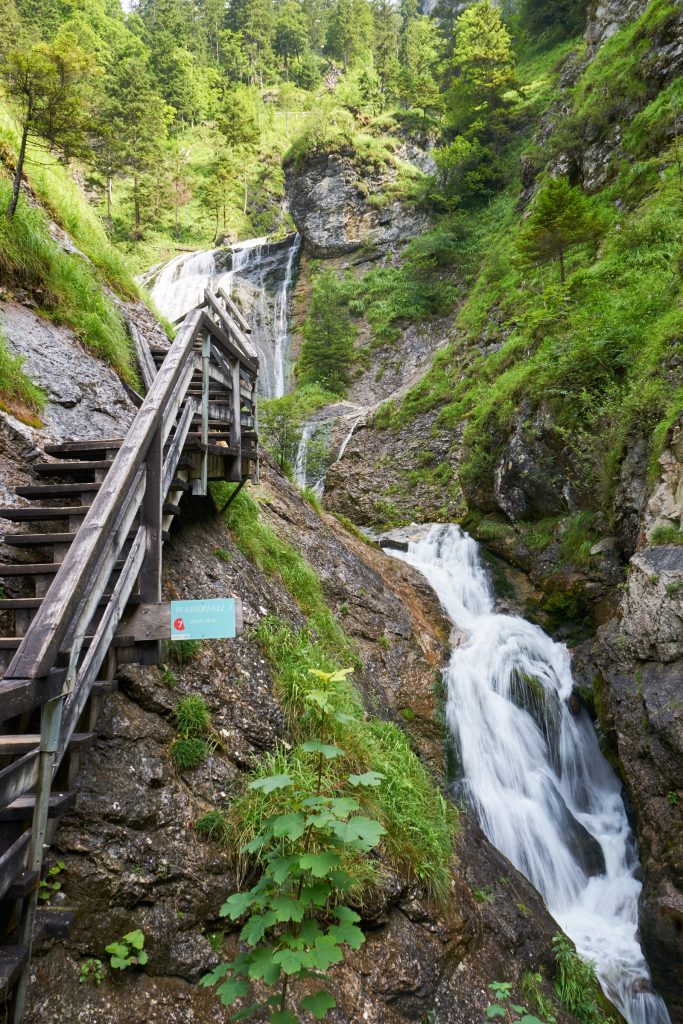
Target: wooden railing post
column 236, row 432
column 50, row 723
column 151, row 519
column 206, row 359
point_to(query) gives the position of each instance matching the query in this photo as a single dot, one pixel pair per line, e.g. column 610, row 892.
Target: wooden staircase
column 86, row 565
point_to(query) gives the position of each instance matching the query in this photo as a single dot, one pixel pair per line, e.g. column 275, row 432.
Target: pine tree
column 291, row 33
column 418, row 84
column 50, row 85
column 482, row 57
column 350, row 33
column 560, row 219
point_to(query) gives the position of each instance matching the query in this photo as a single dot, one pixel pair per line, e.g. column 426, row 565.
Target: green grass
column 262, row 546
column 666, row 535
column 192, row 716
column 62, row 197
column 18, row 394
column 213, row 825
column 188, row 754
column 180, row 652
column 576, row 984
column 66, row 287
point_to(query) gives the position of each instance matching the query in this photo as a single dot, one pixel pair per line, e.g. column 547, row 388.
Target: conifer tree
column 50, row 85
column 350, row 33
column 327, row 352
column 418, row 84
column 560, row 219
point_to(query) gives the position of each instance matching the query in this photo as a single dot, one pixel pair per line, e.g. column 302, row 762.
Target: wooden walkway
column 94, row 537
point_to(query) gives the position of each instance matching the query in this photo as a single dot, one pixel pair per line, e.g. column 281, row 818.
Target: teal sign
column 203, row 620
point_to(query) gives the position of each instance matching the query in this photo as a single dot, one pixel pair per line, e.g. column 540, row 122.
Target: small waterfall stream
column 534, row 775
column 261, row 273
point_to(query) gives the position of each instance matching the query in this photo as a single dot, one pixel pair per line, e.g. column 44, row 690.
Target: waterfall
column 346, row 440
column 533, row 773
column 260, row 273
column 302, row 472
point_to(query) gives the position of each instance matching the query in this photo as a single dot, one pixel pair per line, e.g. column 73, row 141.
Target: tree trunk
column 136, row 203
column 11, row 209
column 110, row 224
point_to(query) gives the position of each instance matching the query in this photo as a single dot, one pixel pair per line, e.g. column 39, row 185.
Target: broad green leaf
column 215, row 975
column 345, row 719
column 289, row 826
column 367, row 779
column 342, row 806
column 271, row 782
column 120, row 963
column 236, row 905
column 287, row 909
column 258, row 842
column 142, row 958
column 232, row 989
column 319, row 1003
column 325, row 953
column 341, row 880
column 135, row 939
column 360, row 832
column 340, row 675
column 529, row 1019
column 283, row 1017
column 116, row 949
column 254, row 929
column 315, row 895
column 309, row 932
column 347, row 933
column 320, row 698
column 328, row 750
column 518, row 1009
column 280, row 868
column 289, row 960
column 495, row 1011
column 263, row 966
column 247, row 1013
column 322, row 820
column 315, row 801
column 319, row 864
column 346, row 915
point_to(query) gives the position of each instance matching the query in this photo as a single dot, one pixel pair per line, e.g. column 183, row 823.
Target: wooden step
column 33, row 540
column 72, row 449
column 23, row 885
column 20, row 695
column 27, row 514
column 22, row 808
column 37, row 491
column 30, row 603
column 11, row 745
column 38, row 568
column 59, row 468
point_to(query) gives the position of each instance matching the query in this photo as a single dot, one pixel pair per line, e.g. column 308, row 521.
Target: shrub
column 192, row 717
column 576, row 984
column 182, row 651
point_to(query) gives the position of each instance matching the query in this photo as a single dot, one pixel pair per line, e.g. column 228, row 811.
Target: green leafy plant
column 576, row 984
column 92, row 970
column 531, row 984
column 295, row 923
column 128, row 952
column 168, row 677
column 483, row 894
column 505, row 1008
column 182, row 651
column 50, row 885
column 672, row 798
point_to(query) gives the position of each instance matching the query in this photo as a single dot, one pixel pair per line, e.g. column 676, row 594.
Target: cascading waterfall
column 534, row 775
column 261, row 272
column 301, row 461
column 345, row 443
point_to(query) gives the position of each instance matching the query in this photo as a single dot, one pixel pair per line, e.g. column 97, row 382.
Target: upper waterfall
column 533, row 773
column 260, row 273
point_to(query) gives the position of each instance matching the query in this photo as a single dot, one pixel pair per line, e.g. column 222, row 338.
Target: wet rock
column 328, row 202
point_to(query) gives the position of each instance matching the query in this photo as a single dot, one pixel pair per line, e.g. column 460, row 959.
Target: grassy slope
column 597, row 353
column 70, row 290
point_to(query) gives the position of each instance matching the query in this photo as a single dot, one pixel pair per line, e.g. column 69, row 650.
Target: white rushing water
column 301, row 463
column 534, row 775
column 259, row 270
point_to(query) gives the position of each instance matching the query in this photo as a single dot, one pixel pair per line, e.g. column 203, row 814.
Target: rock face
column 605, row 17
column 328, row 197
column 640, row 655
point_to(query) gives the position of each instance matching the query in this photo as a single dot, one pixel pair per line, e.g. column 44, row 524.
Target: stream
column 533, row 774
column 260, row 273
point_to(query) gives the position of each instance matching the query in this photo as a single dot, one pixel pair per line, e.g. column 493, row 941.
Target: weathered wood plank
column 17, row 778
column 147, row 365
column 13, row 862
column 153, row 621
